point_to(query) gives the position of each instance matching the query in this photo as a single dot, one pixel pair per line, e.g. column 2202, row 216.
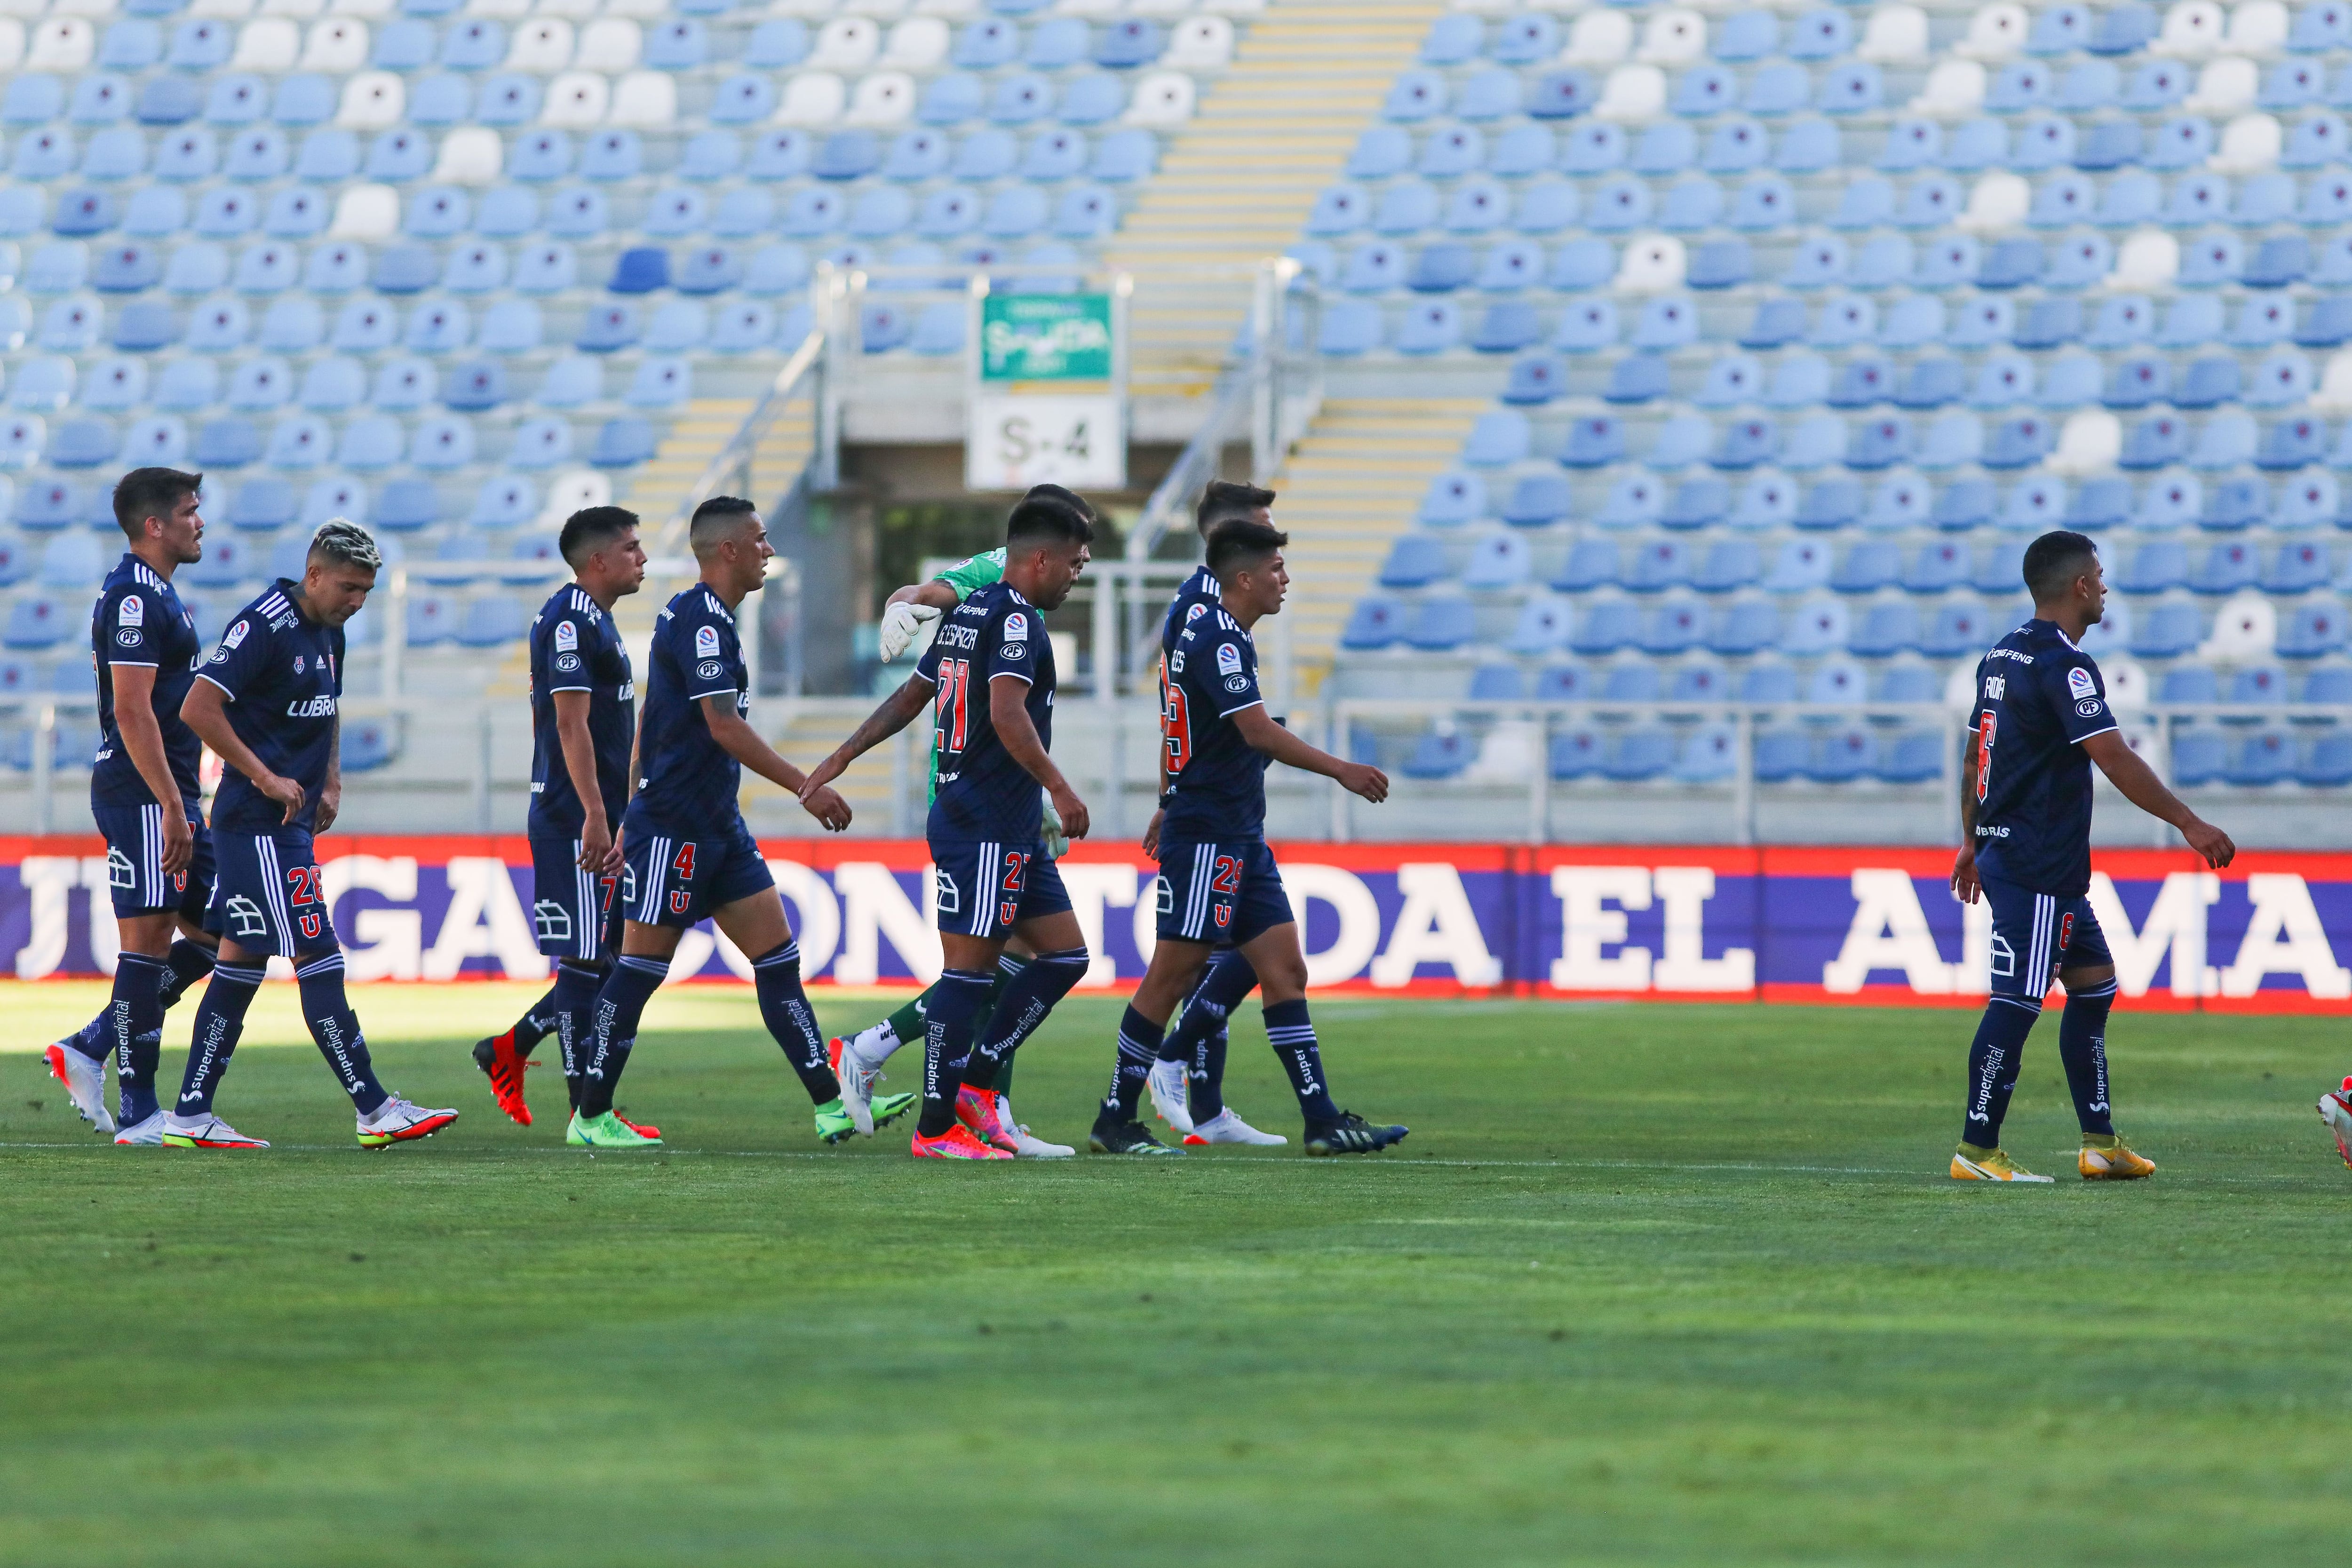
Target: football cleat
column 2110, row 1161
column 500, row 1063
column 857, row 1081
column 206, row 1130
column 606, row 1131
column 976, row 1109
column 147, row 1134
column 1172, row 1094
column 641, row 1129
column 1224, row 1127
column 1993, row 1165
column 84, row 1078
column 1352, row 1134
column 398, row 1121
column 1024, row 1146
column 1124, row 1138
column 956, row 1143
column 833, row 1122
column 2335, row 1109
column 888, row 1108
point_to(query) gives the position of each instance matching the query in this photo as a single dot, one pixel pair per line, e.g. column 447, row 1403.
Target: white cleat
column 1224, row 1127
column 206, row 1130
column 858, row 1081
column 85, row 1083
column 1172, row 1094
column 147, row 1134
column 2335, row 1109
column 398, row 1121
column 1025, row 1147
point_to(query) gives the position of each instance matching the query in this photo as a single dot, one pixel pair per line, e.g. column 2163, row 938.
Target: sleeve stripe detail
column 201, row 676
column 2096, row 733
column 1012, row 675
column 699, row 696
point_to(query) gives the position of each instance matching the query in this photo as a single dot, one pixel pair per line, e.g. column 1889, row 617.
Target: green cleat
column 832, row 1122
column 605, row 1131
column 888, row 1108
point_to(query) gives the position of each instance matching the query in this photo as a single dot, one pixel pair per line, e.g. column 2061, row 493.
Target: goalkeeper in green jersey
column 905, row 615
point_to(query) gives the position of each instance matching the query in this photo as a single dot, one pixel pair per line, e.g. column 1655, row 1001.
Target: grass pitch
column 1648, row 1285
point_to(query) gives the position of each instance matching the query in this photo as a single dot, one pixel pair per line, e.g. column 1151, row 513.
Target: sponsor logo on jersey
column 567, row 637
column 1017, row 650
column 2088, row 707
column 2079, row 682
column 130, row 636
column 1237, row 682
column 133, row 611
column 1229, row 659
column 316, row 707
column 706, row 642
column 708, row 670
column 567, row 662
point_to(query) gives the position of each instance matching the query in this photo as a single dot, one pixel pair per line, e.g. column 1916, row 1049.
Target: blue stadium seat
column 1456, row 496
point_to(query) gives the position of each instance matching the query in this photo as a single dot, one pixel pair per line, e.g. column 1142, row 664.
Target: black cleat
column 1124, row 1138
column 1352, row 1134
column 483, row 1049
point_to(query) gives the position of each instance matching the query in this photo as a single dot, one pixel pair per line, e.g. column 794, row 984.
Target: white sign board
column 1012, row 442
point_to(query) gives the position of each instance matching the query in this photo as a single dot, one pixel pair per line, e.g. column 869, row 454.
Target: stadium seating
column 1835, row 322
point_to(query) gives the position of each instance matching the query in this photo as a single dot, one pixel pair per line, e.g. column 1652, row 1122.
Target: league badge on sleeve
column 1229, row 660
column 1016, row 636
column 133, row 611
column 2079, row 682
column 567, row 637
column 706, row 642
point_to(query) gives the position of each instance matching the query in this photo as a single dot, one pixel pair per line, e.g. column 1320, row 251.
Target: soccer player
column 859, row 1058
column 993, row 878
column 266, row 703
column 144, row 795
column 1187, row 1081
column 1218, row 881
column 687, row 854
column 583, row 722
column 2041, row 718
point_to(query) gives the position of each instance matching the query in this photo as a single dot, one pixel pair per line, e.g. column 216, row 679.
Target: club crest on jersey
column 706, row 642
column 567, row 637
column 298, row 664
column 2079, row 682
column 133, row 611
column 1229, row 659
column 1006, row 912
column 678, row 899
column 944, row 896
column 1224, row 913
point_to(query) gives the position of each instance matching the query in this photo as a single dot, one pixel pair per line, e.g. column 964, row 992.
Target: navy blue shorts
column 576, row 914
column 1220, row 893
column 672, row 880
column 986, row 887
column 268, row 898
column 134, row 862
column 2035, row 935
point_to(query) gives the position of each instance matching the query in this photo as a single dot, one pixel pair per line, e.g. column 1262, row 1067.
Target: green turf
column 1647, row 1285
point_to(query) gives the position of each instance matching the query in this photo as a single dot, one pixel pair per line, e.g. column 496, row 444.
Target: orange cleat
column 2109, row 1160
column 640, row 1127
column 976, row 1109
column 504, row 1066
column 956, row 1143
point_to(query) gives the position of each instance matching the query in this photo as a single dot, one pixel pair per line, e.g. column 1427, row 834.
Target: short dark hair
column 1228, row 500
column 590, row 529
column 1238, row 546
column 714, row 516
column 2055, row 560
column 1068, row 498
column 1046, row 520
column 144, row 493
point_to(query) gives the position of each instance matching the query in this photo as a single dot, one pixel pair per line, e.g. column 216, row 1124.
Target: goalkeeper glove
column 901, row 624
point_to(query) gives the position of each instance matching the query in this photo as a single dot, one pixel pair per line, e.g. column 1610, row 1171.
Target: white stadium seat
column 366, row 212
column 1161, row 99
column 575, row 100
column 812, row 97
column 883, row 99
column 1996, row 32
column 373, row 101
column 646, row 100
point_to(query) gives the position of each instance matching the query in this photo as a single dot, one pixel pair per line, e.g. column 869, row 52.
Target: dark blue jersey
column 2039, row 696
column 1216, row 780
column 686, row 783
column 283, row 674
column 139, row 619
column 1195, row 597
column 984, row 794
column 575, row 647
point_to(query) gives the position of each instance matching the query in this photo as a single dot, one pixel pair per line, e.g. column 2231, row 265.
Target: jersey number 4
column 954, row 699
column 1985, row 726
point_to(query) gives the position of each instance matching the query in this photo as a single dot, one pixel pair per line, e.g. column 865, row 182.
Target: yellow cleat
column 2111, row 1161
column 1970, row 1163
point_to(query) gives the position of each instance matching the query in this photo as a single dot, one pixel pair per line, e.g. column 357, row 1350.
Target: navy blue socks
column 613, row 1027
column 135, row 1034
column 2082, row 1046
column 1138, row 1048
column 336, row 1028
column 220, row 1018
column 1020, row 1008
column 188, row 961
column 569, row 1006
column 1994, row 1057
column 947, row 1027
column 784, row 1008
column 1293, row 1037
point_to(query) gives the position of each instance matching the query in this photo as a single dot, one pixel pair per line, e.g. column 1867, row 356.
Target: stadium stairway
column 1354, row 485
column 695, row 436
column 1239, row 180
